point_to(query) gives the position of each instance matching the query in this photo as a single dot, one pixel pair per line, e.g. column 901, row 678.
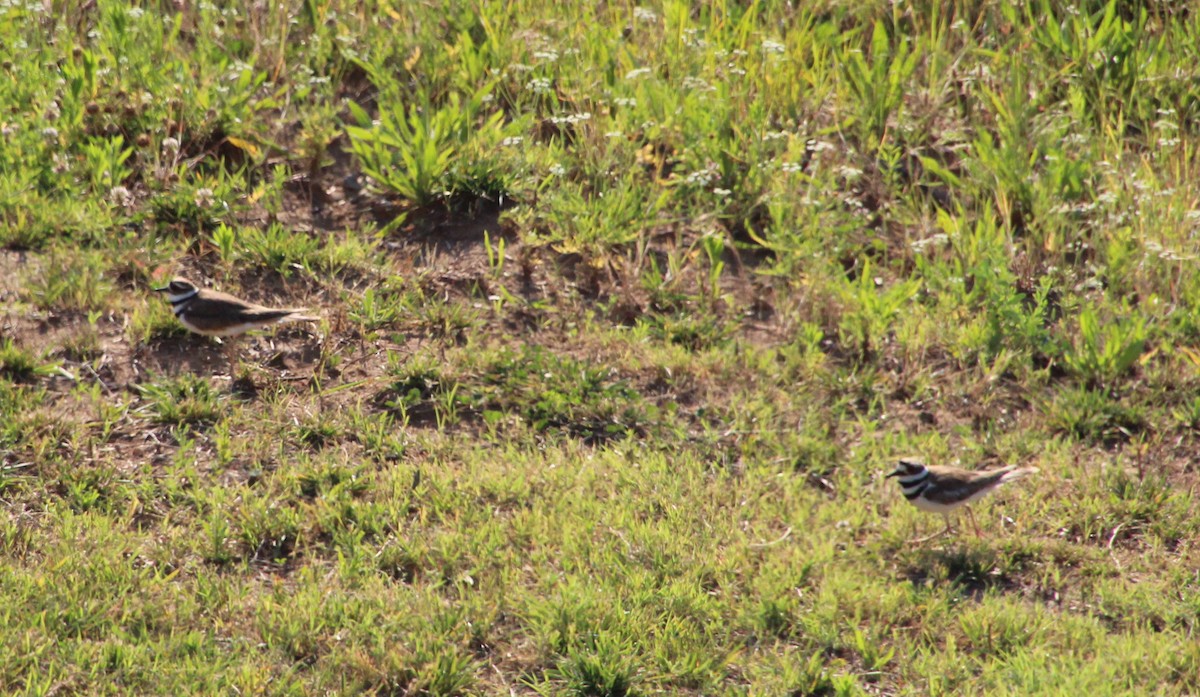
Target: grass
column 625, row 313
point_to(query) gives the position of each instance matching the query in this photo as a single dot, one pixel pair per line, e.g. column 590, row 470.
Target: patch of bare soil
column 12, row 265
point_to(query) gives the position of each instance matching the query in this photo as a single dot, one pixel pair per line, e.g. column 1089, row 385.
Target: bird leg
column 936, row 535
column 971, row 515
column 231, row 357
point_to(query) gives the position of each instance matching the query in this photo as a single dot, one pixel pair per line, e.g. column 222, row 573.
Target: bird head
column 178, row 289
column 907, row 467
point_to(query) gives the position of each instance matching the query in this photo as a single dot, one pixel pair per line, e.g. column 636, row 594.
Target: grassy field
column 626, row 309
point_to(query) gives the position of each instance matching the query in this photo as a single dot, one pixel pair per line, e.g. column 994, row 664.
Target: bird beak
column 894, row 473
column 162, row 290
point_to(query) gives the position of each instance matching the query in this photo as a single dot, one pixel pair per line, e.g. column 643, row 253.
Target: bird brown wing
column 954, row 485
column 213, row 312
column 261, row 313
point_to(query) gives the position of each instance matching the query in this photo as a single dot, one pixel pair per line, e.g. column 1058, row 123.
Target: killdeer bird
column 945, row 489
column 211, row 313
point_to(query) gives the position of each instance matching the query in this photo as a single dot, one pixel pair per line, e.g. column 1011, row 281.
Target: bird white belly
column 926, row 505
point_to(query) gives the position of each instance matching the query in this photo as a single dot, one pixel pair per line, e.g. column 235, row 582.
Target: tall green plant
column 879, row 82
column 870, row 310
column 1103, row 352
column 413, row 150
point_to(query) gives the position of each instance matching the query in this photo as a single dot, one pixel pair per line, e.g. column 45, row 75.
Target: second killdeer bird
column 941, row 489
column 213, row 313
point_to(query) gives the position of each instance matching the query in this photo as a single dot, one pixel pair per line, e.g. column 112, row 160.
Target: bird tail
column 297, row 315
column 1017, row 473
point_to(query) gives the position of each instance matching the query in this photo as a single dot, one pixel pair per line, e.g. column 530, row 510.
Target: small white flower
column 511, row 141
column 203, row 197
column 722, row 192
column 170, row 146
column 572, row 119
column 121, row 196
column 643, row 14
column 850, row 173
column 703, row 177
column 557, row 170
column 625, row 101
column 546, row 56
column 770, row 46
column 539, row 85
column 937, row 240
column 636, row 73
column 50, row 133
